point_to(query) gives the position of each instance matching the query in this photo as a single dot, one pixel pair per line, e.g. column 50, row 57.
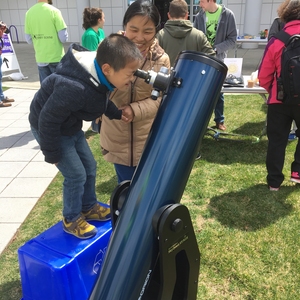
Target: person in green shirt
column 93, row 21
column 46, row 29
column 218, row 24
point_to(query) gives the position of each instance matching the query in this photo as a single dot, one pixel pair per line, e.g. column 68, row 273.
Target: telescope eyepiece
column 141, row 74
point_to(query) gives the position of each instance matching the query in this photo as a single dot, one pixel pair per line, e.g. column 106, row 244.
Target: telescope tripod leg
column 179, row 256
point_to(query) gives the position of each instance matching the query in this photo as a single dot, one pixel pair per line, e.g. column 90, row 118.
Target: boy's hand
column 127, row 114
column 124, row 119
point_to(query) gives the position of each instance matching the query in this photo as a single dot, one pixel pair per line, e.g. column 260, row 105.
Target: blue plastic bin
column 58, row 266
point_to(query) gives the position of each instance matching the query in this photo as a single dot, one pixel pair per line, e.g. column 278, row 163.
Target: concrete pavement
column 24, row 174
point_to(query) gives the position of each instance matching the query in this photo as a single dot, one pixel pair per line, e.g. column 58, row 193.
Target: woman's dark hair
column 289, row 10
column 143, row 8
column 91, row 16
column 117, row 51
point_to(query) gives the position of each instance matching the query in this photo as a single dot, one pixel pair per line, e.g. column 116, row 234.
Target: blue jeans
column 46, row 70
column 219, row 110
column 124, row 172
column 1, row 90
column 78, row 167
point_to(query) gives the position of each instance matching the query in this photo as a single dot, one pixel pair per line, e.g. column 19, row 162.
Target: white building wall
column 12, row 12
column 267, row 13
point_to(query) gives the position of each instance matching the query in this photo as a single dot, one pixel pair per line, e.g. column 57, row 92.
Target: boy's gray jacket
column 226, row 31
column 66, row 98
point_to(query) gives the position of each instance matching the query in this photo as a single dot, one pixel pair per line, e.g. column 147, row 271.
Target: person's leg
column 72, row 169
column 279, row 122
column 96, row 126
column 219, row 113
column 75, row 177
column 78, row 166
column 295, row 166
column 52, row 67
column 124, row 172
column 86, row 157
column 45, row 71
column 3, row 103
column 70, row 166
column 1, row 89
column 292, row 135
column 90, row 208
column 35, row 133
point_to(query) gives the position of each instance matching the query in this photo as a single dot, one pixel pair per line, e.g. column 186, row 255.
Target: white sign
column 9, row 58
column 234, row 66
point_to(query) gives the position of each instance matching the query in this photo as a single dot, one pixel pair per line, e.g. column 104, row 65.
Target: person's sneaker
column 273, row 189
column 292, row 137
column 6, row 100
column 198, row 156
column 98, row 213
column 295, row 177
column 221, row 126
column 80, row 228
column 2, row 104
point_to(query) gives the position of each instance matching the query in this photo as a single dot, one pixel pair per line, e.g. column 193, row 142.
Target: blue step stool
column 58, row 266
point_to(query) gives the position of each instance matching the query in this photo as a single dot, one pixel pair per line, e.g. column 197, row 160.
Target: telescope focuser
column 159, row 80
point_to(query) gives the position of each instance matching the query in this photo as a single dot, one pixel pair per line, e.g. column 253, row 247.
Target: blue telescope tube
column 161, row 175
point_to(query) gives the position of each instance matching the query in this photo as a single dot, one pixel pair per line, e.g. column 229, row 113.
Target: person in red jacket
column 280, row 115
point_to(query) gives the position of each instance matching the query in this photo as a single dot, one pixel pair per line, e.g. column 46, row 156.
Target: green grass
column 248, row 236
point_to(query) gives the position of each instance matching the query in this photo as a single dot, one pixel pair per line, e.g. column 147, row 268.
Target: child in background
column 78, row 91
column 93, row 21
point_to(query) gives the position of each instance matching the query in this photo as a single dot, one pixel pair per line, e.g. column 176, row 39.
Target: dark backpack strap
column 283, row 36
